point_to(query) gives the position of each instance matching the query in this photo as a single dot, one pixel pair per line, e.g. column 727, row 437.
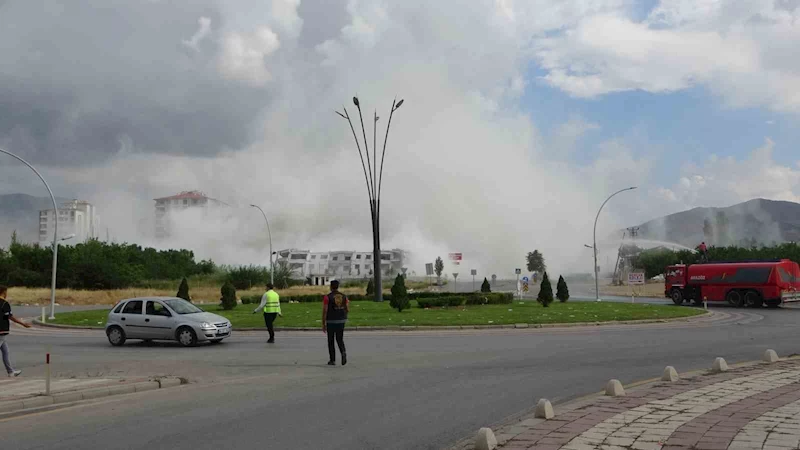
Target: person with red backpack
column 335, row 307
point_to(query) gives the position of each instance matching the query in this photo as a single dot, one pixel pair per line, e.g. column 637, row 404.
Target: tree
column 370, row 288
column 399, row 299
column 183, row 290
column 536, row 262
column 486, row 287
column 545, row 296
column 562, row 291
column 438, row 268
column 228, row 296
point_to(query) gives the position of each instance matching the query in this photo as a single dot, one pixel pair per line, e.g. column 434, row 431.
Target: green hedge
column 431, row 299
column 470, row 299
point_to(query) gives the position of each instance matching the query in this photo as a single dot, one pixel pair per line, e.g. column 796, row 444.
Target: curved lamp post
column 269, row 233
column 374, row 179
column 55, row 232
column 594, row 242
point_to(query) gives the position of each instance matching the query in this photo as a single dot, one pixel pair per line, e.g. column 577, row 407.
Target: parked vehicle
column 752, row 283
column 164, row 318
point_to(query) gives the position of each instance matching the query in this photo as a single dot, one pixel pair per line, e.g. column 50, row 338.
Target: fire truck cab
column 750, row 283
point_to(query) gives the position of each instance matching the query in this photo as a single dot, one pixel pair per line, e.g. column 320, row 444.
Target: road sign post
column 518, row 271
column 473, row 272
column 455, row 282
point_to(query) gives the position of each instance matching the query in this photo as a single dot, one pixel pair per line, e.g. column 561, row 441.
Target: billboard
column 455, row 258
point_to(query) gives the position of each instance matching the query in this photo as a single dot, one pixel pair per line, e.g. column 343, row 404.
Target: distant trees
column 656, row 260
column 96, row 265
column 536, row 262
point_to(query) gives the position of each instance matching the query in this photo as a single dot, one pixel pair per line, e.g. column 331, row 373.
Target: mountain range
column 20, row 213
column 754, row 222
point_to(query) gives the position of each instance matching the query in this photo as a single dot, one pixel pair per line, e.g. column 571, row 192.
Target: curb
column 435, row 328
column 29, row 405
column 526, row 417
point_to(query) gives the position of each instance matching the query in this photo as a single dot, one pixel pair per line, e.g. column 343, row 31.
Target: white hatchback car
column 164, row 318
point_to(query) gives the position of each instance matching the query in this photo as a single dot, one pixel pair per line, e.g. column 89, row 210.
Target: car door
column 132, row 320
column 158, row 320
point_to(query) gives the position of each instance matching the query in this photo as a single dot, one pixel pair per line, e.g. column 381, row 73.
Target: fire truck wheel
column 753, row 299
column 677, row 296
column 735, row 299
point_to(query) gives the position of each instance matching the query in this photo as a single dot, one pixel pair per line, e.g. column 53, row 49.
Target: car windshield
column 182, row 306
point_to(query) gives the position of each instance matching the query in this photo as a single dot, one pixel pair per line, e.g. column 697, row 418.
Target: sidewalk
column 756, row 407
column 19, row 395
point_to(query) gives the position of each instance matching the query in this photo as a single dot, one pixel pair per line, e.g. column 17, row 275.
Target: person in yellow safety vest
column 271, row 305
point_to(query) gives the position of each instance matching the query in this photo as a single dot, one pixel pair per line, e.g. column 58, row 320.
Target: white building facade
column 76, row 217
column 340, row 264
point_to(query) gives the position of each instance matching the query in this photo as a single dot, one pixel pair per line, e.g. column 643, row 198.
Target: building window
column 358, row 266
column 358, row 256
column 369, row 257
column 348, row 258
column 386, row 257
column 324, row 257
column 296, row 256
column 313, row 256
column 335, row 258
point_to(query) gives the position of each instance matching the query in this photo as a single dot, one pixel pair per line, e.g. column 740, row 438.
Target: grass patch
column 366, row 313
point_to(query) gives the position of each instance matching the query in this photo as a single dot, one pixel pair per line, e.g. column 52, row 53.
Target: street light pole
column 269, row 233
column 374, row 180
column 55, row 232
column 594, row 243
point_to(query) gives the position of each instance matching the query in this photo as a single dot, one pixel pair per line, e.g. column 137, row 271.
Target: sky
column 520, row 116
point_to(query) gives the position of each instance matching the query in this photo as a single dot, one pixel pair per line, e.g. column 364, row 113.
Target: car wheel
column 116, row 336
column 735, row 299
column 677, row 296
column 187, row 337
column 753, row 299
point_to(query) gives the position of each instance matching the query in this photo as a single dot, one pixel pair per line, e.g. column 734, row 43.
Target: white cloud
column 728, row 180
column 244, row 56
column 742, row 51
column 201, row 33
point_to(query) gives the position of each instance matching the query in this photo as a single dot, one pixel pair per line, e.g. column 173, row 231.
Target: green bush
column 545, row 296
column 23, row 277
column 245, row 277
column 499, row 298
column 440, row 302
column 252, row 299
column 183, row 290
column 228, row 300
column 485, row 286
column 562, row 291
column 399, row 299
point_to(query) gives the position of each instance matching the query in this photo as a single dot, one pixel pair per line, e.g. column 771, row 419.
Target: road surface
column 400, row 390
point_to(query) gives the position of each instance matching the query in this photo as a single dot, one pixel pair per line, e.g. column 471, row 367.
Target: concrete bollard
column 485, row 440
column 771, row 356
column 719, row 366
column 670, row 374
column 614, row 389
column 544, row 410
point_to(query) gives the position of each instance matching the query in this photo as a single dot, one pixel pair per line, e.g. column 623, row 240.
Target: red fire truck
column 751, row 283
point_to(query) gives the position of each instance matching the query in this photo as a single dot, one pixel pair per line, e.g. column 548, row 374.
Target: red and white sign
column 636, row 278
column 455, row 258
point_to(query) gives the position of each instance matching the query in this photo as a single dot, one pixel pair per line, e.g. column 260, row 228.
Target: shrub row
column 432, row 299
column 470, row 299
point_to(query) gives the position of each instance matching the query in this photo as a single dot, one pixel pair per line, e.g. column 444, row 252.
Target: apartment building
column 76, row 217
column 186, row 200
column 340, row 264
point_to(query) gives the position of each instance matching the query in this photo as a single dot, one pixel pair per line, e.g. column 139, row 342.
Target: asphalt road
column 400, row 390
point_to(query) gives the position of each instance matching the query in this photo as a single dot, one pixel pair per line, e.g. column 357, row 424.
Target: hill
column 20, row 212
column 753, row 222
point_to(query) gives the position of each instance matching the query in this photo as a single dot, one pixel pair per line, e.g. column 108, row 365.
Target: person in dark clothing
column 5, row 327
column 335, row 307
